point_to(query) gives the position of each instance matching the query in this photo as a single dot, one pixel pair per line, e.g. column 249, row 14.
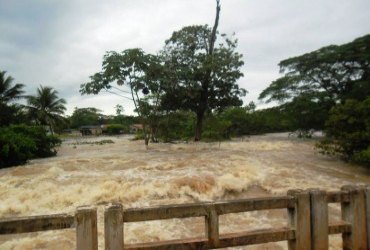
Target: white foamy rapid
column 127, row 173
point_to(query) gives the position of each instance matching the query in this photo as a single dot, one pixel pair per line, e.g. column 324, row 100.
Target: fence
column 308, row 223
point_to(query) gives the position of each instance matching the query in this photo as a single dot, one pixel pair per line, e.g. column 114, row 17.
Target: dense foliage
column 46, row 108
column 131, row 68
column 348, row 131
column 335, row 72
column 329, row 89
column 116, row 129
column 23, row 129
column 10, row 112
column 315, row 82
column 85, row 116
column 202, row 80
column 19, row 143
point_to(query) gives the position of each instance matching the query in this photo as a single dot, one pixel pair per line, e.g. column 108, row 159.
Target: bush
column 216, row 129
column 177, row 125
column 20, row 143
column 348, row 131
column 116, row 129
column 15, row 148
column 362, row 157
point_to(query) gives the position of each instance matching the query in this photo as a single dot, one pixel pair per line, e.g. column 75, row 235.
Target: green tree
column 176, row 125
column 85, row 116
column 119, row 109
column 46, row 108
column 201, row 75
column 19, row 143
column 335, row 72
column 8, row 92
column 307, row 113
column 348, row 131
column 315, row 82
column 9, row 111
column 132, row 68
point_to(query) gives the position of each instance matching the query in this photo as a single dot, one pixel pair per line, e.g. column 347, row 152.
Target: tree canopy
column 315, row 82
column 203, row 74
column 46, row 108
column 85, row 116
column 132, row 68
column 8, row 91
column 9, row 111
column 192, row 72
column 335, row 72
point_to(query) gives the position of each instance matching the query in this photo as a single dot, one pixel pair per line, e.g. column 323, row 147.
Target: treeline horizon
column 339, row 108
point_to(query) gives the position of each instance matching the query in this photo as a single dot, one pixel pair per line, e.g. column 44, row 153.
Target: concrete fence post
column 299, row 219
column 212, row 229
column 113, row 227
column 319, row 220
column 86, row 228
column 354, row 212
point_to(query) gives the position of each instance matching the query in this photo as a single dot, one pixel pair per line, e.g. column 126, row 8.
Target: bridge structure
column 307, row 227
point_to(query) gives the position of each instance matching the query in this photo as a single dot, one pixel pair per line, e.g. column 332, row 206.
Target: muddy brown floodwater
column 127, row 173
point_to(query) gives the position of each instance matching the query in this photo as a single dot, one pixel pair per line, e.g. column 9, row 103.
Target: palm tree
column 46, row 108
column 10, row 112
column 7, row 91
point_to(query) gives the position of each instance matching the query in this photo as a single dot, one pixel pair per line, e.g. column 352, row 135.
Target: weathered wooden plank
column 200, row 209
column 300, row 219
column 367, row 200
column 86, row 228
column 319, row 220
column 165, row 212
column 256, row 237
column 253, row 204
column 226, row 240
column 113, row 227
column 337, row 196
column 354, row 212
column 194, row 243
column 339, row 227
column 36, row 223
column 212, row 229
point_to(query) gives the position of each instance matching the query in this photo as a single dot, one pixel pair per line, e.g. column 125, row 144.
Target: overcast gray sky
column 61, row 43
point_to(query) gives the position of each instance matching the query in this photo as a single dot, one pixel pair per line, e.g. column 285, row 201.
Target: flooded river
column 125, row 172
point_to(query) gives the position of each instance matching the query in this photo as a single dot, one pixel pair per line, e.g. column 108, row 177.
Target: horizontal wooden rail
column 226, row 240
column 254, row 204
column 165, row 212
column 340, row 227
column 202, row 209
column 309, row 226
column 337, row 197
column 84, row 221
column 36, row 223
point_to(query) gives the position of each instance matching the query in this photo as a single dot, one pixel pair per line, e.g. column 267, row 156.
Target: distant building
column 91, row 130
column 134, row 128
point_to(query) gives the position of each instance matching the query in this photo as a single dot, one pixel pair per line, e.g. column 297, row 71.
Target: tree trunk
column 146, row 138
column 146, row 134
column 207, row 80
column 199, row 126
column 51, row 129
